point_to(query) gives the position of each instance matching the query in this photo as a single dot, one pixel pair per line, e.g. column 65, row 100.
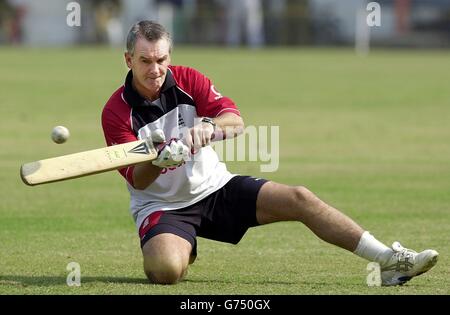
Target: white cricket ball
column 60, row 134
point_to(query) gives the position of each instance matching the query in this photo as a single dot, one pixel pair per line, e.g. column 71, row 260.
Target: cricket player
column 187, row 192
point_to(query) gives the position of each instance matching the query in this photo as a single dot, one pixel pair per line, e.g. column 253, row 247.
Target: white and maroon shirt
column 186, row 96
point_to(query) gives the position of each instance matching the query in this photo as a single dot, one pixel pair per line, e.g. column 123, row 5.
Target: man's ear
column 127, row 56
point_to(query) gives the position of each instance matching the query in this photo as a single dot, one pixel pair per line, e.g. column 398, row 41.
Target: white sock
column 373, row 250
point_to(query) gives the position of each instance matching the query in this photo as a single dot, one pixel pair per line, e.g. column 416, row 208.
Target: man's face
column 149, row 64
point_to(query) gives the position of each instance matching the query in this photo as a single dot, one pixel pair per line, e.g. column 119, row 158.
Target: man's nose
column 153, row 69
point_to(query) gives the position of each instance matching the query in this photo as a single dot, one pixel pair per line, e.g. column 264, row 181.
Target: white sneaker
column 405, row 264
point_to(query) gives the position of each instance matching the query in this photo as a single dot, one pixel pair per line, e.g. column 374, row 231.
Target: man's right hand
column 200, row 136
column 171, row 153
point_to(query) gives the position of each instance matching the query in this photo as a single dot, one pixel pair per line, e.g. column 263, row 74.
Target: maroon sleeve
column 117, row 129
column 209, row 101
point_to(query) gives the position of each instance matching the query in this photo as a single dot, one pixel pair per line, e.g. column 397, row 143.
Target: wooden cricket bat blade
column 87, row 162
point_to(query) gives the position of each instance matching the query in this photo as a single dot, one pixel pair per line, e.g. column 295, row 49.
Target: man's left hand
column 171, row 153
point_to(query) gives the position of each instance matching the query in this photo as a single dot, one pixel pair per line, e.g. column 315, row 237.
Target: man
column 187, row 192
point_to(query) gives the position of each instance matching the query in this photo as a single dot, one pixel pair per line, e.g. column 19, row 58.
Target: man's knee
column 166, row 258
column 169, row 270
column 303, row 195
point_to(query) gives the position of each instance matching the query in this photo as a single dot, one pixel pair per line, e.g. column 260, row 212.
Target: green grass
column 371, row 136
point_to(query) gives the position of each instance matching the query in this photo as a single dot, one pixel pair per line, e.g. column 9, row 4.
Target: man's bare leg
column 278, row 202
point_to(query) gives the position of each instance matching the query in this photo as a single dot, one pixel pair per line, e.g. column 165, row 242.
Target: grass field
column 371, row 136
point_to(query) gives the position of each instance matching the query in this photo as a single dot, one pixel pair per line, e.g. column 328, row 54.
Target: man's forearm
column 228, row 126
column 144, row 174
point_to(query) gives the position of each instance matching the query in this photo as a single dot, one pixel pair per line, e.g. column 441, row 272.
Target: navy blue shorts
column 223, row 216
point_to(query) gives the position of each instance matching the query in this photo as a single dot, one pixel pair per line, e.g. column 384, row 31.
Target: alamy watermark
column 374, row 17
column 74, row 16
column 260, row 143
column 74, row 276
column 254, row 144
column 374, row 277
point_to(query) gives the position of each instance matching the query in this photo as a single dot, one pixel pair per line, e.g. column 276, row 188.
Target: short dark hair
column 149, row 30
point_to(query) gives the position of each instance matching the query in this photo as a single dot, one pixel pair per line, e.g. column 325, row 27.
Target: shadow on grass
column 24, row 281
column 240, row 281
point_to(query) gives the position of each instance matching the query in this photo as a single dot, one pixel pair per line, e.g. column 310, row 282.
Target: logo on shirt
column 180, row 121
column 219, row 96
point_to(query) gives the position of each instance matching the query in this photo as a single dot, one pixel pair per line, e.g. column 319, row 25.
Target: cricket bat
column 87, row 162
